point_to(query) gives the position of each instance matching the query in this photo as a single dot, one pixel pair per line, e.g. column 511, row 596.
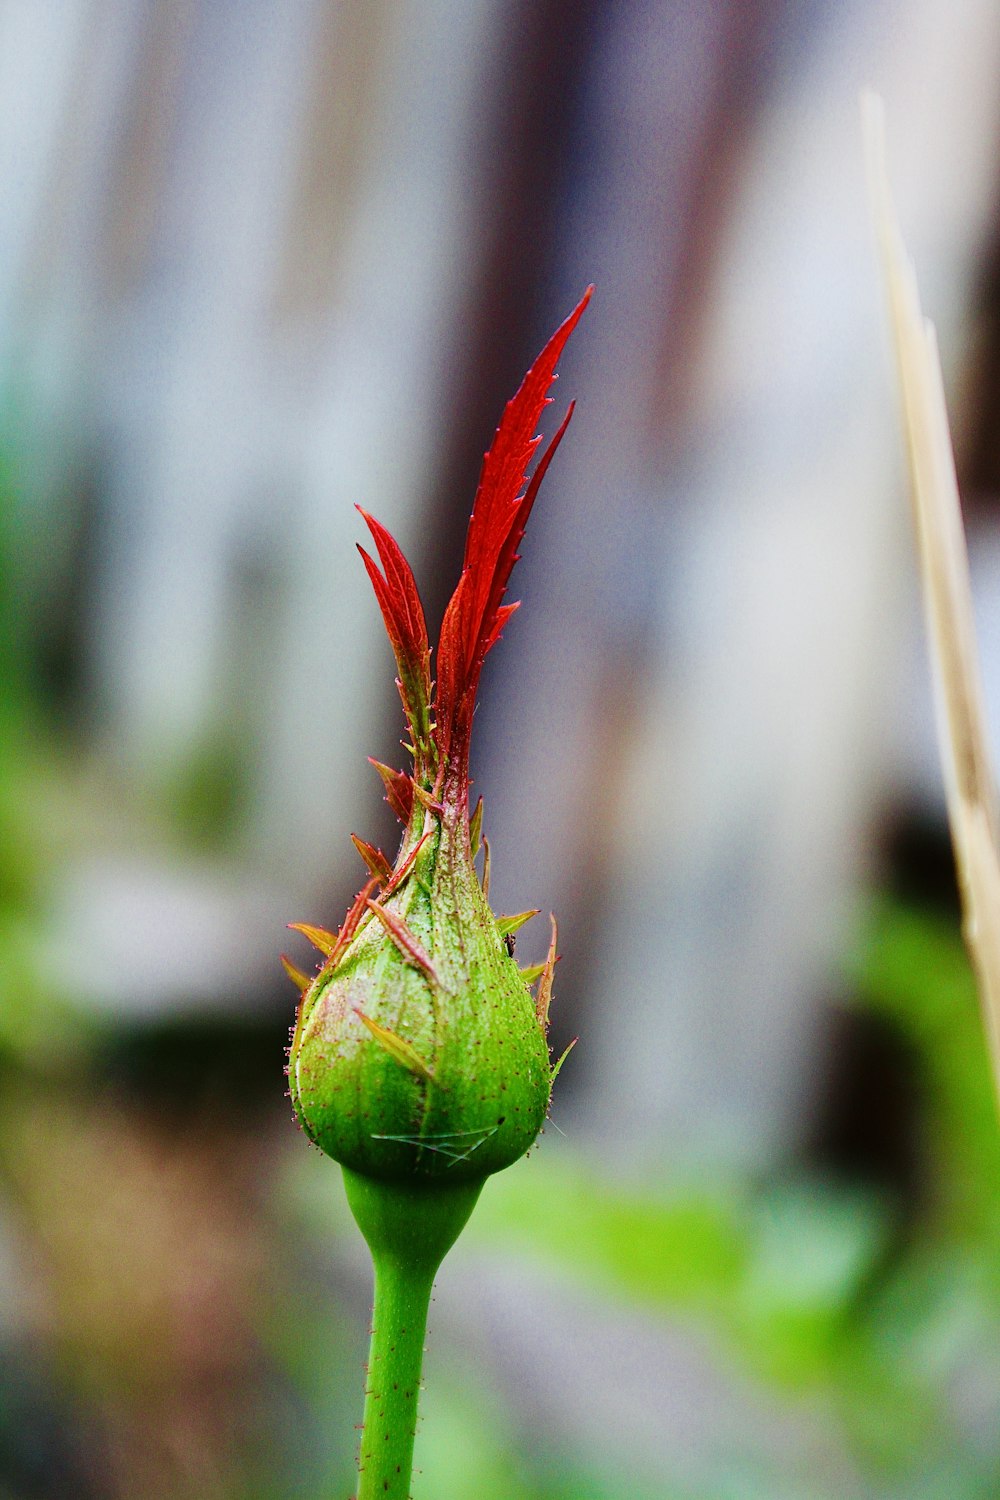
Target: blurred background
column 260, row 261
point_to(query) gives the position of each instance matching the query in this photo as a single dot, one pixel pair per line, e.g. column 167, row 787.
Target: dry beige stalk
column 944, row 569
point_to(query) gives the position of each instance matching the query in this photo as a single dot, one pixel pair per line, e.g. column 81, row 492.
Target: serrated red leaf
column 476, row 614
column 398, row 599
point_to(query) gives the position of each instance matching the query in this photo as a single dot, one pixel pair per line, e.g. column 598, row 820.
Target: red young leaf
column 476, row 614
column 396, row 592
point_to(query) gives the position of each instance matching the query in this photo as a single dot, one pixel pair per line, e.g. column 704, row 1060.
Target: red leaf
column 396, row 592
column 476, row 614
column 450, row 658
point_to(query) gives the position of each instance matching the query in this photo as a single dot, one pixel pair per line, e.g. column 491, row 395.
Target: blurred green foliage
column 22, row 753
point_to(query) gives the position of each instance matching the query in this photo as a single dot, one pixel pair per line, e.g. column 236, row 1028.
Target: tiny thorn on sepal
column 486, row 868
column 532, row 973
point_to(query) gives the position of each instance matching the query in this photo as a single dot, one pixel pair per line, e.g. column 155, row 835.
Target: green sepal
column 516, row 922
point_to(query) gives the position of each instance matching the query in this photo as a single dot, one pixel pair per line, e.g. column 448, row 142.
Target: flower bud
column 422, row 1054
column 420, row 1051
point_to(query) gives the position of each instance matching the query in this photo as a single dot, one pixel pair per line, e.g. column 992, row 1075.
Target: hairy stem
column 399, row 1321
column 409, row 1230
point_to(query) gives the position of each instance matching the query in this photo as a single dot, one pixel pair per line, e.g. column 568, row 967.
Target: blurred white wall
column 239, row 247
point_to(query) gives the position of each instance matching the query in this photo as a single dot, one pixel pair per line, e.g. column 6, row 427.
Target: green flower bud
column 421, row 1053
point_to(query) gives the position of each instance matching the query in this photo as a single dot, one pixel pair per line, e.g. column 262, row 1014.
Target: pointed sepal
column 426, row 799
column 398, row 1049
column 476, row 828
column 408, row 945
column 357, row 914
column 544, row 997
column 376, row 861
column 301, row 981
column 399, row 789
column 516, row 922
column 325, row 941
column 555, row 1071
column 398, row 876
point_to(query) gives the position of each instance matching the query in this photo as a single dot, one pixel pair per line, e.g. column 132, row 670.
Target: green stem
column 409, row 1230
column 399, row 1321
